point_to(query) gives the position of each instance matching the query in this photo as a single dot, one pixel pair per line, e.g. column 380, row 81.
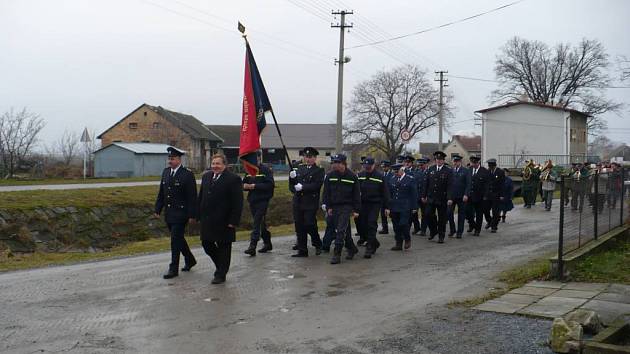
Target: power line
column 438, row 27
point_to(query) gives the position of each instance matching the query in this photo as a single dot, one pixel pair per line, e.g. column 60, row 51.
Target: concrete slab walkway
column 549, row 299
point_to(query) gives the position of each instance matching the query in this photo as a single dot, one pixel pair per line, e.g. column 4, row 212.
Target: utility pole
column 442, row 81
column 341, row 61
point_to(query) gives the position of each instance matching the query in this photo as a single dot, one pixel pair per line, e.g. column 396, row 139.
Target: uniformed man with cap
column 400, row 159
column 437, row 195
column 387, row 175
column 459, row 194
column 342, row 198
column 421, row 179
column 410, row 169
column 403, row 202
column 305, row 183
column 178, row 199
column 479, row 178
column 259, row 192
column 374, row 195
column 494, row 194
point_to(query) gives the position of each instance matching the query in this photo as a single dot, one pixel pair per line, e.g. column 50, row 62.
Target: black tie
column 215, row 177
column 172, row 173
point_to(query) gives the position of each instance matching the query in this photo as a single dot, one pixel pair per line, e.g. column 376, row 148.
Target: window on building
column 133, row 125
column 145, row 113
column 327, row 153
column 146, row 141
column 116, row 141
column 156, row 125
column 573, row 135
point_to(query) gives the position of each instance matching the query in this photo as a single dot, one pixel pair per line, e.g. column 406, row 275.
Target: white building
column 518, row 131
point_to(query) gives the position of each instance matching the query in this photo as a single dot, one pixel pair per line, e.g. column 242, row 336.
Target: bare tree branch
column 18, row 135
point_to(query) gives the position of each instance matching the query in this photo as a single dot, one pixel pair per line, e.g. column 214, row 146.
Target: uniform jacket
column 495, row 184
column 478, row 184
column 403, row 194
column 508, row 193
column 220, row 203
column 177, row 196
column 461, row 182
column 342, row 189
column 437, row 188
column 265, row 184
column 374, row 187
column 421, row 179
column 311, row 179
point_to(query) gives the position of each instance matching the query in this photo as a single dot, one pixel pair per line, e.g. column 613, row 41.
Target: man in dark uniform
column 260, row 190
column 437, row 195
column 459, row 194
column 403, row 202
column 421, row 179
column 494, row 194
column 220, row 205
column 479, row 177
column 305, row 184
column 387, row 175
column 411, row 171
column 374, row 196
column 178, row 198
column 342, row 197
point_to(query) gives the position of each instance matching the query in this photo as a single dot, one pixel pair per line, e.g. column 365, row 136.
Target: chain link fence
column 592, row 203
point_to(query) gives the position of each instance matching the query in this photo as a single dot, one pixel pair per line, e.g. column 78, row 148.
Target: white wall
column 523, row 129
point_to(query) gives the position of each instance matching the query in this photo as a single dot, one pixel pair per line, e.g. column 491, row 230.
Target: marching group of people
column 418, row 195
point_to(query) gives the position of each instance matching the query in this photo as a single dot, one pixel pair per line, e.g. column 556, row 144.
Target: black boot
column 441, row 238
column 251, row 250
column 189, row 264
column 360, row 242
column 470, row 229
column 351, row 253
column 300, row 254
column 383, row 232
column 172, row 273
column 398, row 246
column 318, row 251
column 336, row 258
column 266, row 248
column 368, row 252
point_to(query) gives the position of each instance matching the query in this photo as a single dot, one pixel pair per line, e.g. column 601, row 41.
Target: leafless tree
column 18, row 135
column 68, row 147
column 624, row 68
column 569, row 76
column 389, row 103
column 602, row 146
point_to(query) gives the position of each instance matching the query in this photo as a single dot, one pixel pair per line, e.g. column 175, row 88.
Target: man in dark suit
column 387, row 175
column 260, row 190
column 494, row 194
column 220, row 205
column 479, row 177
column 305, row 183
column 403, row 202
column 374, row 196
column 412, row 171
column 421, row 179
column 459, row 193
column 177, row 197
column 437, row 195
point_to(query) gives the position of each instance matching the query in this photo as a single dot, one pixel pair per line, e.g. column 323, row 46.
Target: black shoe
column 170, row 274
column 361, row 242
column 476, row 233
column 351, row 254
column 295, row 247
column 432, row 237
column 368, row 252
column 383, row 232
column 440, row 240
column 470, row 229
column 494, row 231
column 251, row 250
column 356, row 234
column 188, row 266
column 503, row 218
column 407, row 244
column 318, row 251
column 487, row 226
column 415, row 232
column 398, row 247
column 336, row 258
column 450, row 234
column 218, row 280
column 458, row 236
column 300, row 254
column 265, row 248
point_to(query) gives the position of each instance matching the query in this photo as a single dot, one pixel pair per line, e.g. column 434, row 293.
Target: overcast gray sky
column 89, row 63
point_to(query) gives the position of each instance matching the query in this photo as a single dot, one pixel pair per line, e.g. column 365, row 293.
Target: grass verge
column 43, row 181
column 42, row 259
column 611, row 266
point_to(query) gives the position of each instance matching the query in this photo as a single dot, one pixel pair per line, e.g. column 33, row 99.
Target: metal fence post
column 623, row 195
column 560, row 273
column 595, row 203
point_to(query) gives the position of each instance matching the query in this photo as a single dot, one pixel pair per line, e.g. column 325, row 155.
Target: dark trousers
column 400, row 221
column 179, row 245
column 259, row 216
column 306, row 224
column 329, row 234
column 415, row 221
column 384, row 224
column 422, row 207
column 461, row 216
column 476, row 213
column 368, row 223
column 548, row 198
column 437, row 223
column 341, row 221
column 492, row 212
column 221, row 254
column 577, row 199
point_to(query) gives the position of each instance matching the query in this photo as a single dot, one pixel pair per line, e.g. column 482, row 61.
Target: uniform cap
column 492, row 161
column 310, row 151
column 338, row 158
column 400, row 158
column 385, row 163
column 174, row 152
column 409, row 158
column 457, row 158
column 439, row 155
column 475, row 158
column 367, row 161
column 397, row 166
column 423, row 160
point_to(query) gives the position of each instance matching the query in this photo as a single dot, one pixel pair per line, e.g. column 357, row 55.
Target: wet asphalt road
column 271, row 303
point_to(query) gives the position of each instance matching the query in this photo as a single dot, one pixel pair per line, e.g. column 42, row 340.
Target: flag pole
column 241, row 28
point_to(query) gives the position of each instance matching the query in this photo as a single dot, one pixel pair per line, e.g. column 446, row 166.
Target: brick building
column 154, row 124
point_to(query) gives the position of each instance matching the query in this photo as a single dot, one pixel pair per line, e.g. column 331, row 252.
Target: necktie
column 474, row 171
column 215, row 177
column 172, row 172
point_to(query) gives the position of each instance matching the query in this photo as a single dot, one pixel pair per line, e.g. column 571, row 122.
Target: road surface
column 271, row 303
column 92, row 185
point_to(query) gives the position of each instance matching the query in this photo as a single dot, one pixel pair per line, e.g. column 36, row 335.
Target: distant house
column 154, row 124
column 296, row 137
column 427, row 149
column 464, row 146
column 519, row 131
column 130, row 160
column 621, row 154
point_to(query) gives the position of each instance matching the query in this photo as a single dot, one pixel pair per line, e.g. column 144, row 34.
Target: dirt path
column 271, row 303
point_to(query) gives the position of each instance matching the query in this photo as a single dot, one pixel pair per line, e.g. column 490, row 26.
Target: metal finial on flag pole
column 241, row 28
